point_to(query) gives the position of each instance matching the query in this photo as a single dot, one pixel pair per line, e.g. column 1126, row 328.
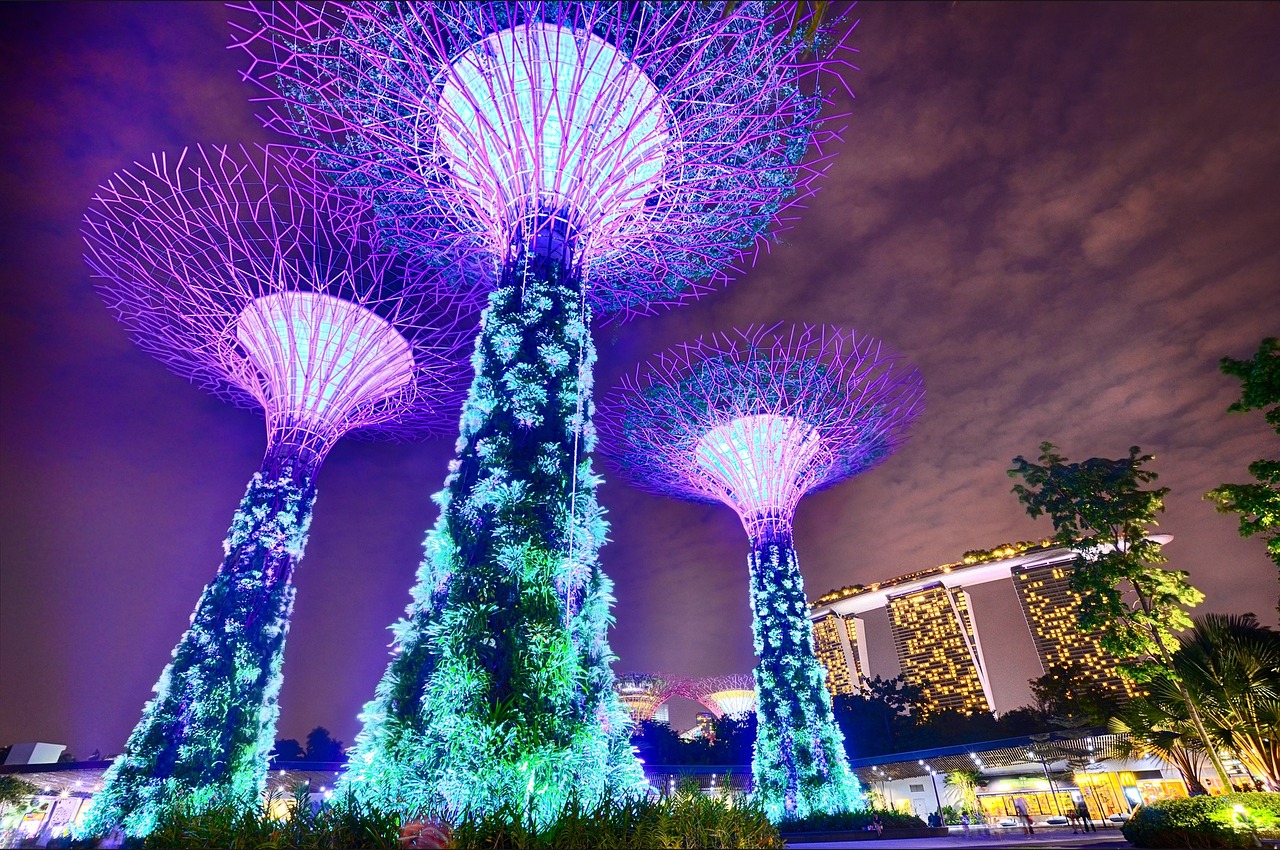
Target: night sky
column 1063, row 213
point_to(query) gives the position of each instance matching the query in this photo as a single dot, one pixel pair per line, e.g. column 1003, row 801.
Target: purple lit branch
column 660, row 139
column 759, row 418
column 242, row 270
column 733, row 695
column 644, row 693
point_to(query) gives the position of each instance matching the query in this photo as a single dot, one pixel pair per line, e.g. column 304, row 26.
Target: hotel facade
column 936, row 634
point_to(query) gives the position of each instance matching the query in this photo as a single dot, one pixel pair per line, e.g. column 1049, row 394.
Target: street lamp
column 1053, row 792
column 933, row 779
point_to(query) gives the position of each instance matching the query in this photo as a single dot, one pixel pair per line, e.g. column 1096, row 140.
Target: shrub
column 686, row 818
column 850, row 821
column 342, row 824
column 1203, row 822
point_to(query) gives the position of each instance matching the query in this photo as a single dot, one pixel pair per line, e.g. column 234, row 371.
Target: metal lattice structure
column 644, row 693
column 759, row 418
column 243, row 270
column 724, row 696
column 755, row 420
column 597, row 158
column 653, row 142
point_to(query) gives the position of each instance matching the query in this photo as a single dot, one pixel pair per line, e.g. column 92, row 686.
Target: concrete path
column 1002, row 839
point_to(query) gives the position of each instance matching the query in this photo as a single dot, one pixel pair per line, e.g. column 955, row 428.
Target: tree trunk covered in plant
column 205, row 736
column 800, row 766
column 500, row 690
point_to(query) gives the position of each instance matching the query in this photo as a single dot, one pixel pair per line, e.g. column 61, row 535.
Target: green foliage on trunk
column 800, row 767
column 205, row 737
column 500, row 692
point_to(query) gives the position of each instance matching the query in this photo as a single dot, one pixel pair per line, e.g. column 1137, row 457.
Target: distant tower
column 644, row 693
column 240, row 270
column 724, row 696
column 755, row 421
column 600, row 157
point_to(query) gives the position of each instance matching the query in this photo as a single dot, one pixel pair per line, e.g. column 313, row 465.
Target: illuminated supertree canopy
column 724, row 696
column 755, row 420
column 598, row 158
column 644, row 693
column 244, row 271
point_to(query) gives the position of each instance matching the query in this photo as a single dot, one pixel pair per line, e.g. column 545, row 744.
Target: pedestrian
column 1086, row 819
column 877, row 824
column 1020, row 806
column 964, row 823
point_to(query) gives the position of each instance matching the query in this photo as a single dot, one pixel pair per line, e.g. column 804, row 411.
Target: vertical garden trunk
column 205, row 736
column 800, row 766
column 500, row 690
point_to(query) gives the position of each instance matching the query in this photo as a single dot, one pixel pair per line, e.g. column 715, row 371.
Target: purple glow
column 757, row 419
column 241, row 270
column 724, row 696
column 659, row 142
column 644, row 693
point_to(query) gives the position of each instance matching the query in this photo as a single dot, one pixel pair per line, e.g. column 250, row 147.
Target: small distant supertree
column 724, row 696
column 644, row 693
column 242, row 270
column 599, row 158
column 755, row 421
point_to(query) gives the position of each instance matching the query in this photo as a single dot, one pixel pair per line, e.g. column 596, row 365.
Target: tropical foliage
column 1231, row 820
column 250, row 823
column 686, row 818
column 1257, row 503
column 1100, row 509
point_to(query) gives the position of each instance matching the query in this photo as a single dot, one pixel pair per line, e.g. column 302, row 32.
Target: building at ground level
column 936, row 635
column 1051, row 772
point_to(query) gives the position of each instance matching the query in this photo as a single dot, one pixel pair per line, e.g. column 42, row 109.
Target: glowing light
column 541, row 117
column 321, row 357
column 759, row 464
column 736, row 703
column 756, row 421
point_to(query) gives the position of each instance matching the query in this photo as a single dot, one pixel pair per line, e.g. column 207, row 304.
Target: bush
column 342, row 824
column 1204, row 822
column 851, row 821
column 686, row 818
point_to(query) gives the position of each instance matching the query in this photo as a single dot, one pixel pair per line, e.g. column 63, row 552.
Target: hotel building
column 936, row 635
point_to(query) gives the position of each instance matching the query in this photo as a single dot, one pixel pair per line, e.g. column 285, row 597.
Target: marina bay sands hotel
column 931, row 620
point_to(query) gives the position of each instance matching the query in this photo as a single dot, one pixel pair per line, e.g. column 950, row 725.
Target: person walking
column 1086, row 819
column 1020, row 806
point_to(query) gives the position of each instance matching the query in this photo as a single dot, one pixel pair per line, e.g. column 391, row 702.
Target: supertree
column 599, row 158
column 724, row 696
column 756, row 420
column 644, row 693
column 243, row 270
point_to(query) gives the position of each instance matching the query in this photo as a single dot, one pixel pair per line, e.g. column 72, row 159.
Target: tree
column 1259, row 503
column 15, row 791
column 1100, row 509
column 1232, row 663
column 288, row 749
column 322, row 747
column 1068, row 691
column 1157, row 724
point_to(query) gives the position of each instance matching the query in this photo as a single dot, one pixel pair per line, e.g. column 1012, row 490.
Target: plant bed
column 1229, row 821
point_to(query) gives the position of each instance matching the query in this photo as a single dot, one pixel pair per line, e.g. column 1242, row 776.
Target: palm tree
column 1157, row 724
column 1232, row 663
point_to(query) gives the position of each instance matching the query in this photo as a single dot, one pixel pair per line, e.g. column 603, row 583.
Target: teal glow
column 539, row 117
